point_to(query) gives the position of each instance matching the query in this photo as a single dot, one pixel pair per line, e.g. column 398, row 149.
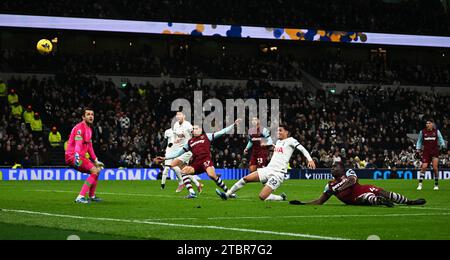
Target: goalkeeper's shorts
column 84, row 165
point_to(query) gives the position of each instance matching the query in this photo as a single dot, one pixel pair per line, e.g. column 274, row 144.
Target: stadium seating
column 281, row 67
column 371, row 124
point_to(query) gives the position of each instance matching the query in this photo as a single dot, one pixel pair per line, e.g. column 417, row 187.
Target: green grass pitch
column 141, row 210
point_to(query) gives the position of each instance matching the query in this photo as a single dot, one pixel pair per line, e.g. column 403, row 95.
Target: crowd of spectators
column 366, row 127
column 276, row 66
column 402, row 16
column 370, row 71
column 79, row 8
column 144, row 63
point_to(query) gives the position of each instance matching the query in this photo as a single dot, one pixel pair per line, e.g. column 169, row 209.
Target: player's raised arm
column 299, row 147
column 249, row 145
column 268, row 138
column 419, row 144
column 175, row 154
column 224, row 131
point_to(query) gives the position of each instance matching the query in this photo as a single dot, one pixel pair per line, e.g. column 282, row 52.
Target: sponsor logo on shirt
column 197, row 142
column 279, row 149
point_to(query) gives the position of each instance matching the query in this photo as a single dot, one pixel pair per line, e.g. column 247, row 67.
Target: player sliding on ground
column 200, row 146
column 347, row 189
column 274, row 174
column 80, row 144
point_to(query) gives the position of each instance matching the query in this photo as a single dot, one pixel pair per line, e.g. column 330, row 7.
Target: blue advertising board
column 106, row 175
column 65, row 174
column 378, row 174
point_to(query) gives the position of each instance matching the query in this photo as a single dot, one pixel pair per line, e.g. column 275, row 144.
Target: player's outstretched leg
column 219, row 182
column 266, row 194
column 236, row 187
column 254, row 177
column 400, row 199
column 371, row 199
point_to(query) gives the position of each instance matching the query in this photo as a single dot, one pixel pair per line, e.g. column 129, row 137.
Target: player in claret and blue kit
column 259, row 144
column 430, row 140
column 347, row 189
column 200, row 147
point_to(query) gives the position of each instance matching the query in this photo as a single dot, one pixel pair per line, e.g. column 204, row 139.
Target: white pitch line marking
column 26, row 212
column 246, row 199
column 308, row 216
column 137, row 194
column 169, row 219
column 424, row 208
column 335, row 216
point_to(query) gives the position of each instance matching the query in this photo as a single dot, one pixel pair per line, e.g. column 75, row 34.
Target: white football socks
column 165, row 174
column 178, row 173
column 236, row 187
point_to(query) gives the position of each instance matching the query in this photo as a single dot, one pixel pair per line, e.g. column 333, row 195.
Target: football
column 44, row 47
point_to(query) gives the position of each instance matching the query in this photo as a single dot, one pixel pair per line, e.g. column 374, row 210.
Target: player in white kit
column 169, row 137
column 183, row 133
column 275, row 173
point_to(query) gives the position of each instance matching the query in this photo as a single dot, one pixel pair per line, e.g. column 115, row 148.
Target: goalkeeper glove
column 99, row 164
column 77, row 160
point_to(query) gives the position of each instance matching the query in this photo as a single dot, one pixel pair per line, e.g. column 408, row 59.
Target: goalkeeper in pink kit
column 80, row 144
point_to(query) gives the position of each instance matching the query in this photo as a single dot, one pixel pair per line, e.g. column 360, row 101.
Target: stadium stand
column 401, row 16
column 282, row 67
column 130, row 123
